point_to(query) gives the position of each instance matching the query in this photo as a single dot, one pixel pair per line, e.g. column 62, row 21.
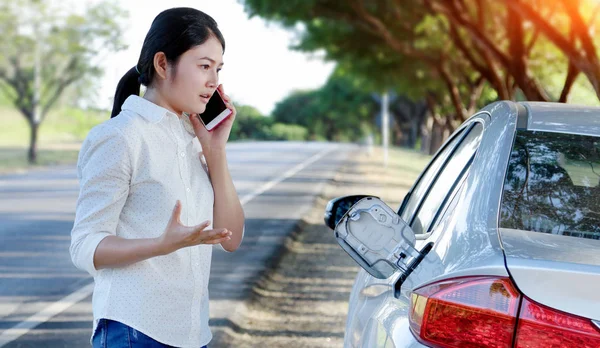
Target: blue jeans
column 113, row 334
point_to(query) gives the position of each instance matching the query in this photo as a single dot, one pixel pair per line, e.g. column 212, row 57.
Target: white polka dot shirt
column 132, row 169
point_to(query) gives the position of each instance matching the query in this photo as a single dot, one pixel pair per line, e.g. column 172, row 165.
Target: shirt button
column 187, row 189
column 182, row 154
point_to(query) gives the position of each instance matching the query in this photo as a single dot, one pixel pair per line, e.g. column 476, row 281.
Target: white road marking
column 45, row 314
column 264, row 188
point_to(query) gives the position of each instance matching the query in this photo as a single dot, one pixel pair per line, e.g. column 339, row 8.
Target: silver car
column 497, row 244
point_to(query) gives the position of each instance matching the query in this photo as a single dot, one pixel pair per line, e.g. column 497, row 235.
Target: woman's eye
column 205, row 66
column 218, row 70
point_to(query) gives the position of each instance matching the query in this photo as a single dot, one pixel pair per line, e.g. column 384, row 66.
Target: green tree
column 455, row 53
column 47, row 49
column 342, row 110
column 385, row 48
column 251, row 124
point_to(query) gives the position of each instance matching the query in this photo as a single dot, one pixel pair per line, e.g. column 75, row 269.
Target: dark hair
column 173, row 32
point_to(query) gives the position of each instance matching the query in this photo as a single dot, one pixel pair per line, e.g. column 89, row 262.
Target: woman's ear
column 160, row 65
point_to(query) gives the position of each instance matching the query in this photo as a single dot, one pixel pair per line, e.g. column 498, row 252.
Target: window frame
column 462, row 132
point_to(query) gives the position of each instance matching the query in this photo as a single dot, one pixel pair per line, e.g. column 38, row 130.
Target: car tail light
column 484, row 312
column 540, row 326
column 465, row 312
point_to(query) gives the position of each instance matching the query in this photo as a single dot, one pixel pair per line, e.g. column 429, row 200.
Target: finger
column 199, row 228
column 216, row 241
column 199, row 128
column 231, row 107
column 195, row 120
column 176, row 213
column 221, row 89
column 205, row 235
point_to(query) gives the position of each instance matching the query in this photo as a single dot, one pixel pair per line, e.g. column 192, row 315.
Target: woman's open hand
column 177, row 236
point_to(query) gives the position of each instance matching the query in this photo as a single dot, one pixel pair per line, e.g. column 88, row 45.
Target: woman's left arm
column 228, row 212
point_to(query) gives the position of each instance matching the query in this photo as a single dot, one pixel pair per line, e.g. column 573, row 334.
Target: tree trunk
column 32, row 156
column 426, row 132
column 437, row 136
column 414, row 130
column 454, row 93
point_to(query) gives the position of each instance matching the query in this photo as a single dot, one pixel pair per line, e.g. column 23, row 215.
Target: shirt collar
column 145, row 108
column 154, row 113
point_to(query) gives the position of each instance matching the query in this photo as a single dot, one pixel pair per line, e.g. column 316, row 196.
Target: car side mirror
column 375, row 236
column 337, row 207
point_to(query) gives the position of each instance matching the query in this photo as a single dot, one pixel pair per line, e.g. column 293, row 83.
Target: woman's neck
column 155, row 97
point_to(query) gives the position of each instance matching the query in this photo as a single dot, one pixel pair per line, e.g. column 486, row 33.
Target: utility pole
column 385, row 125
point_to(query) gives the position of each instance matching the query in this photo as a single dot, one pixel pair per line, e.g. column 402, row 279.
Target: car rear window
column 552, row 185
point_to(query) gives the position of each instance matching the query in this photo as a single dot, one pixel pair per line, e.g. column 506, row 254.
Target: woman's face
column 196, row 77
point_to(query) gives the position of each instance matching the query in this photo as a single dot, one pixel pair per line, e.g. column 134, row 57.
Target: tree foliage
column 342, row 110
column 47, row 49
column 456, row 54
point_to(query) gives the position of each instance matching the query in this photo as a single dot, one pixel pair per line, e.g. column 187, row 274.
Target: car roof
column 563, row 118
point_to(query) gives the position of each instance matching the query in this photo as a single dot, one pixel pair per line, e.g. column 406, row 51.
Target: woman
column 148, row 195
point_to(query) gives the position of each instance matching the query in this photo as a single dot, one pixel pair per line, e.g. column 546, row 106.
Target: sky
column 259, row 69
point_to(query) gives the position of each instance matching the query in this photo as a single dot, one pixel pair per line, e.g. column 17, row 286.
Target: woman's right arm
column 104, row 173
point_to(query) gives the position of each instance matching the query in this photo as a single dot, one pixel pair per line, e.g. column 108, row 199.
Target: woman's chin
column 199, row 109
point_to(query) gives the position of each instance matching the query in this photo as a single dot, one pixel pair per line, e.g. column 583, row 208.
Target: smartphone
column 215, row 113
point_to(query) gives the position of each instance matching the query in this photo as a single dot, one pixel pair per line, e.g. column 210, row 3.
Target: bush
column 251, row 124
column 281, row 131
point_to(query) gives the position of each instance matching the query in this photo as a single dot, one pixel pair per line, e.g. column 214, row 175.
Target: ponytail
column 128, row 85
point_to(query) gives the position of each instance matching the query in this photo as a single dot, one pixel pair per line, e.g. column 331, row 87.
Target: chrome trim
column 597, row 323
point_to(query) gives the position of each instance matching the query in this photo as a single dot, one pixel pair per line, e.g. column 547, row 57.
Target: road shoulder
column 303, row 299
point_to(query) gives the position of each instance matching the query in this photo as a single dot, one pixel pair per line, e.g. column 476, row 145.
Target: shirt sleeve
column 104, row 173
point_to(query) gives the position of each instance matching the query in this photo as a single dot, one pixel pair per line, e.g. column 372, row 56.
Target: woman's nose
column 213, row 80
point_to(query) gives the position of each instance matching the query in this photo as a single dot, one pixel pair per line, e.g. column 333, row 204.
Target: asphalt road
column 45, row 301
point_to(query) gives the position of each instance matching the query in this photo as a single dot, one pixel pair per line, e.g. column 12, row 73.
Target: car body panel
column 559, row 285
column 563, row 118
column 550, row 268
column 550, row 247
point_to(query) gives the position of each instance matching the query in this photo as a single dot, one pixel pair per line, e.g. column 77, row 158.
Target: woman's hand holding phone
column 177, row 236
column 215, row 140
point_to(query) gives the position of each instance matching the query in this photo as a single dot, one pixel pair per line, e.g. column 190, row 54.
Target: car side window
column 449, row 177
column 452, row 201
column 420, row 189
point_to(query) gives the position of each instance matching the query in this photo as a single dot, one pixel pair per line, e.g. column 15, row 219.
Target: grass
column 15, row 159
column 390, row 182
column 65, row 125
column 59, row 137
